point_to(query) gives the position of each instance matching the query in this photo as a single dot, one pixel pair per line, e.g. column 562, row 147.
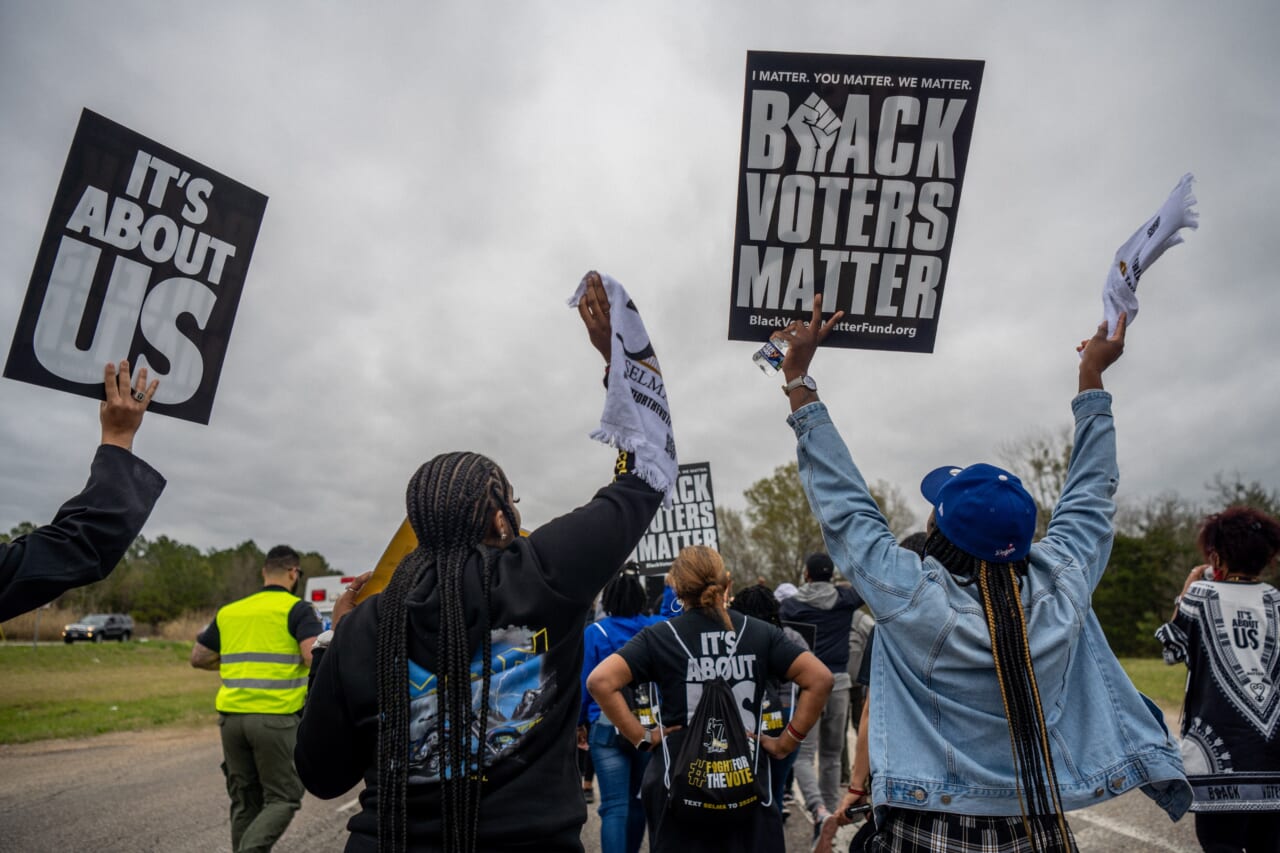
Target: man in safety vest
column 261, row 646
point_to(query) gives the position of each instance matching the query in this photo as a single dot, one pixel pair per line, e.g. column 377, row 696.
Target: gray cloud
column 440, row 175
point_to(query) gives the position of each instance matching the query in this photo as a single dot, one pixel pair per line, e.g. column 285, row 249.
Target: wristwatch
column 804, row 381
column 646, row 742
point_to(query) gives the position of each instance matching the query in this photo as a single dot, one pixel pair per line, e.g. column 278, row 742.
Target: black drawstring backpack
column 714, row 775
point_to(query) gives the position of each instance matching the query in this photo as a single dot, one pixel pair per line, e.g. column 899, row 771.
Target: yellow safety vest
column 261, row 665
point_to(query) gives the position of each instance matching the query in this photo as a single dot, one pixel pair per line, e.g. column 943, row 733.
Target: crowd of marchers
column 986, row 702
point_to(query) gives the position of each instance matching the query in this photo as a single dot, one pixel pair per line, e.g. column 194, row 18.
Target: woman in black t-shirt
column 704, row 642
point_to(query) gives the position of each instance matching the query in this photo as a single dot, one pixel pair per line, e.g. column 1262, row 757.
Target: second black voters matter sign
column 690, row 520
column 144, row 257
column 850, row 178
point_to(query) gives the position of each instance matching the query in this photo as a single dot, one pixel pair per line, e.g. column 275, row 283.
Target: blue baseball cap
column 983, row 510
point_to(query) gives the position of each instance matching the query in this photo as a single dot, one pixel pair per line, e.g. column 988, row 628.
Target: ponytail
column 701, row 582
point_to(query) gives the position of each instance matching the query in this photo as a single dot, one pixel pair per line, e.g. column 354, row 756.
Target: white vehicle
column 321, row 593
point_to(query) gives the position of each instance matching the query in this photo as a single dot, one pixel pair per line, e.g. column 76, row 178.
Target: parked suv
column 98, row 627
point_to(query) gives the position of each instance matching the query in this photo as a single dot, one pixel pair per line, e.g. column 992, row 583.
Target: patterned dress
column 1227, row 634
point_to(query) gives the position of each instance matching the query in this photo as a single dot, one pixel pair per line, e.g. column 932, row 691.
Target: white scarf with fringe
column 636, row 416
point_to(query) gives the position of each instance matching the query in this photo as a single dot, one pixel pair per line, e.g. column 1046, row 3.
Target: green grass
column 1163, row 683
column 92, row 688
column 88, row 689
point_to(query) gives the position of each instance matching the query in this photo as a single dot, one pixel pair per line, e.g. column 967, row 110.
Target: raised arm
column 1081, row 525
column 856, row 533
column 804, row 338
column 92, row 531
column 588, row 545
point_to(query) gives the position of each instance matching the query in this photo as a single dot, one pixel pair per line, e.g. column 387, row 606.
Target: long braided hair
column 1037, row 782
column 450, row 500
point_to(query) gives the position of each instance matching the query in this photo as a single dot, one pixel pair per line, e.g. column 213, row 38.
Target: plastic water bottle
column 769, row 357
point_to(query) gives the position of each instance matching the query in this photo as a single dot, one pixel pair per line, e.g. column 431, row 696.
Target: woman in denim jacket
column 998, row 704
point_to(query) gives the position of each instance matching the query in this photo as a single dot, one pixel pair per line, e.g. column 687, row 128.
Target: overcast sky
column 441, row 174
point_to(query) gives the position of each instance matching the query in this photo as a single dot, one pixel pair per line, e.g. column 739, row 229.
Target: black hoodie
column 543, row 586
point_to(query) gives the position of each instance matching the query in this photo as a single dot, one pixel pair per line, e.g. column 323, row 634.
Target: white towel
column 1135, row 257
column 636, row 416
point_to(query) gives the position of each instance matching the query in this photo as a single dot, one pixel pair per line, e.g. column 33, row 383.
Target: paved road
column 162, row 792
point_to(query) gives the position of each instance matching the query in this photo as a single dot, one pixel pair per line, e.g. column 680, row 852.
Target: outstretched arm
column 589, row 544
column 94, row 529
column 1081, row 526
column 855, row 531
column 804, row 338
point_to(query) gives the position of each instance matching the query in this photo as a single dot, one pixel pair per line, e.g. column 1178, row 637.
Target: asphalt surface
column 162, row 791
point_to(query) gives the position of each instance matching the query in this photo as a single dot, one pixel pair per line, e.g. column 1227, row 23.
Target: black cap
column 819, row 567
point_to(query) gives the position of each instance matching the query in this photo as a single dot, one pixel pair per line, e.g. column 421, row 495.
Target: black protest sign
column 690, row 520
column 144, row 257
column 851, row 169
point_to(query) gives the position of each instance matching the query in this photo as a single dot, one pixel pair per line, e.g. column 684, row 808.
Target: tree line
column 162, row 579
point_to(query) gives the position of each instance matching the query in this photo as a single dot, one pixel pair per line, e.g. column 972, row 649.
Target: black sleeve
column 211, row 637
column 1177, row 637
column 85, row 540
column 639, row 654
column 303, row 622
column 850, row 594
column 864, row 669
column 581, row 550
column 782, row 652
column 331, row 753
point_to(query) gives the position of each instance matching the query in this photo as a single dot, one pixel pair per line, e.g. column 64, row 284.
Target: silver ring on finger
column 139, row 396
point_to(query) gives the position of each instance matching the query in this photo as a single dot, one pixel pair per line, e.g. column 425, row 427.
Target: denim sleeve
column 856, row 533
column 1080, row 531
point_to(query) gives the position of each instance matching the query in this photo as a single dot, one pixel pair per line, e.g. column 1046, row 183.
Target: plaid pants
column 911, row 831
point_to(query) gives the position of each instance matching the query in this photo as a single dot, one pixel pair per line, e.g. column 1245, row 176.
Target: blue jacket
column 829, row 609
column 671, row 606
column 939, row 739
column 599, row 640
